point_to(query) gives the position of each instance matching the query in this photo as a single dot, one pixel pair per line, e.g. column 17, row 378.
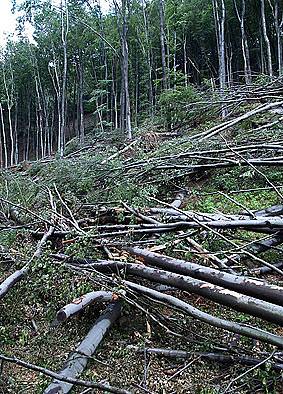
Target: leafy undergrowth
column 30, row 307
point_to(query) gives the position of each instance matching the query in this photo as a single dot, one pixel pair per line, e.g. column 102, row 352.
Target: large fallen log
column 221, row 295
column 238, row 328
column 77, row 361
column 80, row 303
column 242, row 284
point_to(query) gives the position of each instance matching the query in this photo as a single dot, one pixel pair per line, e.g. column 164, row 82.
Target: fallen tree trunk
column 80, row 303
column 210, row 356
column 242, row 284
column 77, row 361
column 226, row 125
column 274, row 210
column 20, row 274
column 11, row 281
column 238, row 328
column 237, row 301
column 256, row 248
column 266, row 270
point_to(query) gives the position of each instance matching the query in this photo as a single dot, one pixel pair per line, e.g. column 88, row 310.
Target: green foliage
column 173, row 105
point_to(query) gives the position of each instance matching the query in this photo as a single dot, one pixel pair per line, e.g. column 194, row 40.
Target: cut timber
column 77, row 361
column 242, row 284
column 221, row 295
column 179, row 199
column 80, row 303
column 238, row 328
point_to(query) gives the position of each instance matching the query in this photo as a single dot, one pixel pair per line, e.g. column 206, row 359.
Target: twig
column 57, row 376
column 247, row 372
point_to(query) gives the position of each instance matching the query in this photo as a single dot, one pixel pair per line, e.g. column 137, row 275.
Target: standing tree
column 266, row 38
column 122, row 12
column 241, row 15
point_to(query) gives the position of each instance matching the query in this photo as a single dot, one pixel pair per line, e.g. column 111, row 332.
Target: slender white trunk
column 279, row 33
column 219, row 17
column 185, row 60
column 4, row 137
column 64, row 34
column 266, row 38
column 244, row 41
column 175, row 60
column 162, row 41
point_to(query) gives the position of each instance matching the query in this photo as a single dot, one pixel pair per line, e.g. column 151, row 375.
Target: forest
column 141, row 197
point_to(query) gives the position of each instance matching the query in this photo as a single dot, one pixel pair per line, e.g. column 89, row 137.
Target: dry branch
column 20, row 274
column 209, row 356
column 52, row 374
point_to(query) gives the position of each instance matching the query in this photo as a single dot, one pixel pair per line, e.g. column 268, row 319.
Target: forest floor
column 90, row 183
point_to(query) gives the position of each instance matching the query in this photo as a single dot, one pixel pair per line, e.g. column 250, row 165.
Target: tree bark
column 248, row 331
column 237, row 301
column 242, row 284
column 80, row 303
column 77, row 361
column 162, row 42
column 266, row 38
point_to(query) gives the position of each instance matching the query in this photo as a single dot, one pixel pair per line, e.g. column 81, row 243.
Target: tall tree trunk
column 125, row 53
column 9, row 96
column 175, row 60
column 149, row 60
column 266, row 39
column 125, row 114
column 80, row 101
column 27, row 146
column 244, row 41
column 279, row 32
column 185, row 60
column 4, row 137
column 64, row 35
column 219, row 17
column 162, row 42
column 16, row 159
